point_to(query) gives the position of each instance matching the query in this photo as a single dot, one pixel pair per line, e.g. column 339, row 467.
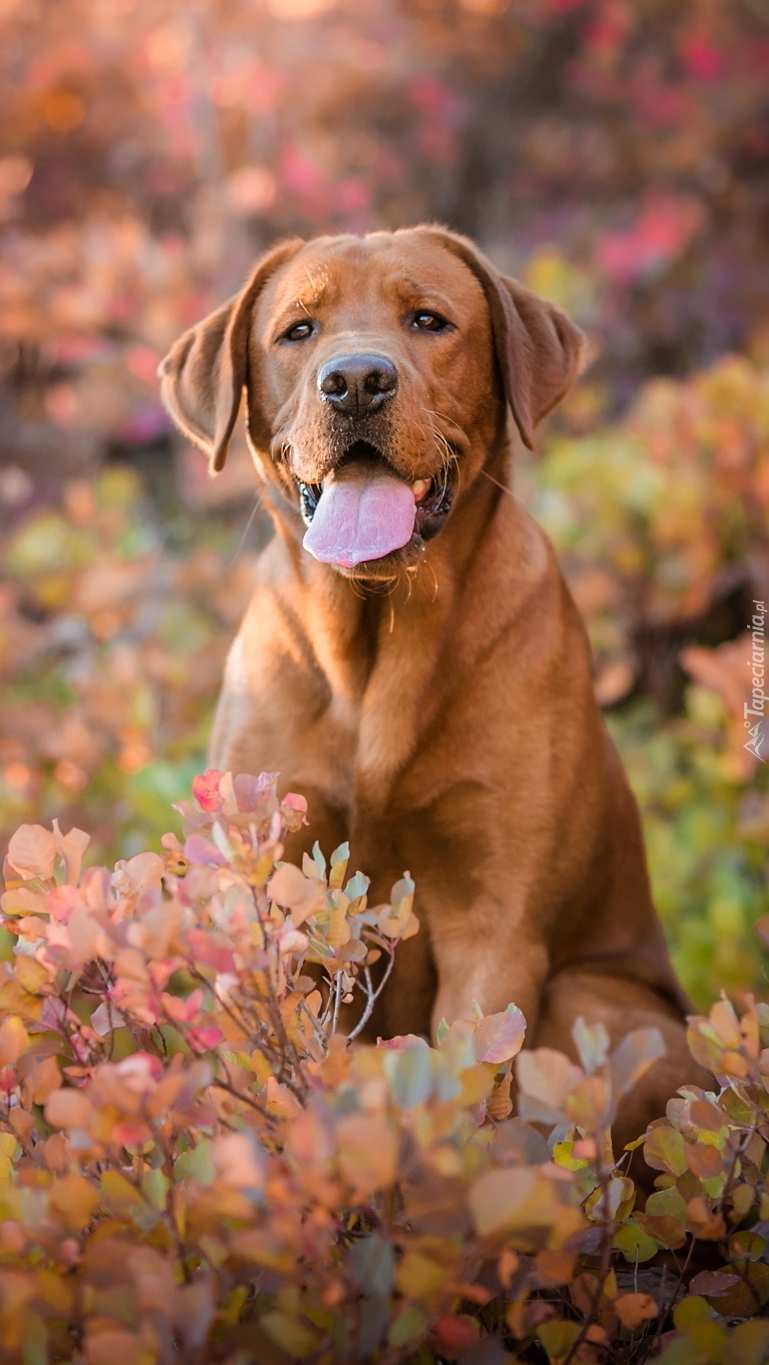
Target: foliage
column 111, row 654
column 193, row 1163
column 115, row 623
column 660, row 522
column 616, row 153
column 195, row 1160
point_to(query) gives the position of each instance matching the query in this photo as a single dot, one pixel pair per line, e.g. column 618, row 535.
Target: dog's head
column 377, row 371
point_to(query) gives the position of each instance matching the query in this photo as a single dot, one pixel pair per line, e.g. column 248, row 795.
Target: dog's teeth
column 419, row 487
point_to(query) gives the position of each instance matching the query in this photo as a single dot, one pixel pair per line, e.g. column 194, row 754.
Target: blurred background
column 614, row 154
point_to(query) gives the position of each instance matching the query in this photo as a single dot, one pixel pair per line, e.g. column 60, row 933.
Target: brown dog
column 417, row 667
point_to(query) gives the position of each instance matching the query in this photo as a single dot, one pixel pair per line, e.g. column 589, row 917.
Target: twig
column 247, row 1099
column 318, row 1033
column 372, row 998
column 604, row 1265
column 666, row 1308
column 337, row 1001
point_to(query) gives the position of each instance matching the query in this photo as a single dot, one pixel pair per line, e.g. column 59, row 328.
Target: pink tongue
column 362, row 514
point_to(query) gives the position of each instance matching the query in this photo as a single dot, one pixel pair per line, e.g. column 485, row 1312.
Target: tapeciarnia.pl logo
column 757, row 704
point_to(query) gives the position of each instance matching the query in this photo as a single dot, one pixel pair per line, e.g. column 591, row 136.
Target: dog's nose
column 357, row 384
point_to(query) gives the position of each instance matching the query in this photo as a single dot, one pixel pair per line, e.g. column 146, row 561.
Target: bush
column 197, row 1166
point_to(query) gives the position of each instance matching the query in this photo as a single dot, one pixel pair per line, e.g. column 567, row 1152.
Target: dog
column 412, row 661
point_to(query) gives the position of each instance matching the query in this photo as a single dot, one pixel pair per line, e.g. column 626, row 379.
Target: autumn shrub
column 115, row 616
column 660, row 523
column 200, row 1163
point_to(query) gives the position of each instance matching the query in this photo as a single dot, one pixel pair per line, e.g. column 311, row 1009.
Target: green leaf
column 746, row 1245
column 408, row 1327
column 410, row 1074
column 665, row 1150
column 557, row 1336
column 634, row 1243
column 356, row 887
column 666, row 1203
column 681, row 1351
column 155, row 1185
column 294, row 1338
column 692, row 1309
column 196, row 1165
column 748, row 1344
column 371, row 1266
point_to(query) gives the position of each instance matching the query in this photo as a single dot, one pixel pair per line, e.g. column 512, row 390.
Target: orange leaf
column 14, row 1040
column 67, row 1108
column 303, row 896
column 633, row 1309
column 367, row 1152
column 75, row 1198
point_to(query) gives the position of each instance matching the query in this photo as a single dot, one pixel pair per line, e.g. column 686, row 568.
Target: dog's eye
column 299, row 332
column 425, row 321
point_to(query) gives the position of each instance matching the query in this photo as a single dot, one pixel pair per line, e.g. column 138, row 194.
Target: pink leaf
column 499, row 1037
column 71, row 848
column 205, row 789
column 203, row 1039
column 32, row 852
column 198, row 849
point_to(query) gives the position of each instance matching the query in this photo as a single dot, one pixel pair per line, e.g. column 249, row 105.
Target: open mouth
column 364, row 510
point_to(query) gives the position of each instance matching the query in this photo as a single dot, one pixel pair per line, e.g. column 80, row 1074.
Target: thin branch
column 337, row 1001
column 247, row 1099
column 372, row 997
column 607, row 1224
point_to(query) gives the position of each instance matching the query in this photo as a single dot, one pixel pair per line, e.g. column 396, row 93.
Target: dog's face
column 377, row 372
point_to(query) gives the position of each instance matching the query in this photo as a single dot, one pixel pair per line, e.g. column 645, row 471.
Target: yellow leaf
column 8, row 1147
column 295, row 1339
column 500, row 1102
column 75, row 1198
column 420, row 1277
column 19, row 900
column 42, row 1081
column 31, row 975
column 14, row 1040
column 118, row 1192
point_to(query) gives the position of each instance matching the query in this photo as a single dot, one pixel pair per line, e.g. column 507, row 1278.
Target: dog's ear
column 539, row 350
column 202, row 377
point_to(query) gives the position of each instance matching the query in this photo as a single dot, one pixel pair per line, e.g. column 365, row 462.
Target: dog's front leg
column 490, row 969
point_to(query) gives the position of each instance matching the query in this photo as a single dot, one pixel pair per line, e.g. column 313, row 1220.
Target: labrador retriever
column 412, row 661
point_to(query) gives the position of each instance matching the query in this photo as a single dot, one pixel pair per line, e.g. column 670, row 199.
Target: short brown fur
column 437, row 712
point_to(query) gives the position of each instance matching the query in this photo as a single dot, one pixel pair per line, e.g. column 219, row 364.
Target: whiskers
column 423, row 566
column 504, row 487
column 246, row 529
column 449, row 457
